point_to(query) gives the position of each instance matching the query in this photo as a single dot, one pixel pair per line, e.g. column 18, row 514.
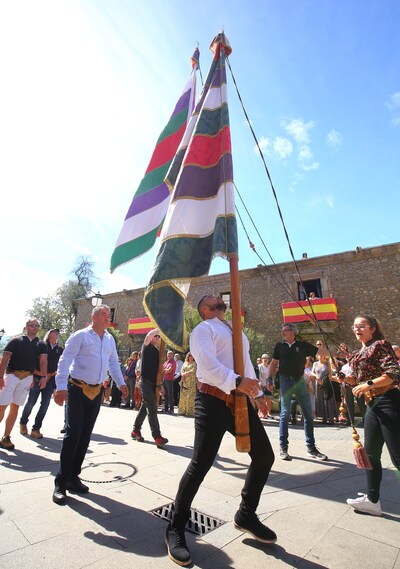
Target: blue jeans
column 33, row 396
column 168, row 395
column 290, row 387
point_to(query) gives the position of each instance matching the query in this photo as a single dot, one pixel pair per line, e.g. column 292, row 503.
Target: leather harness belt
column 215, row 392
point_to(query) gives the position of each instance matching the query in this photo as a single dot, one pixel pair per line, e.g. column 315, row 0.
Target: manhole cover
column 198, row 523
column 105, row 472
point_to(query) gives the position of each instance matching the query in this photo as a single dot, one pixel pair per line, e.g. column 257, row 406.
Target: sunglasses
column 34, row 325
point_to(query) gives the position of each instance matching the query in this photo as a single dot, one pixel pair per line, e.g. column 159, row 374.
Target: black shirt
column 292, row 359
column 25, row 353
column 149, row 366
column 53, row 355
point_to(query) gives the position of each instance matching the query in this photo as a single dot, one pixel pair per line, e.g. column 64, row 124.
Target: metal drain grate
column 198, row 523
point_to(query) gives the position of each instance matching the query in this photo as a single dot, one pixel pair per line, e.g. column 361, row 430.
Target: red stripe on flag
column 205, row 152
column 162, row 153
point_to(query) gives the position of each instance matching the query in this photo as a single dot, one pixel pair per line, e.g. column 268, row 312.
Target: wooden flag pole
column 241, row 413
column 161, row 351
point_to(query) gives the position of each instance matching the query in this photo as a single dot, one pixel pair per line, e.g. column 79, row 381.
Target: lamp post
column 96, row 299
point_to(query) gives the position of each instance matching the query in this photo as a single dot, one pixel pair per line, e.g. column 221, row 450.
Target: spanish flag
column 301, row 311
column 140, row 325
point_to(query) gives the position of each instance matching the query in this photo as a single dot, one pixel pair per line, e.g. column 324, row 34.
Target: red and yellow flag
column 140, row 325
column 301, row 311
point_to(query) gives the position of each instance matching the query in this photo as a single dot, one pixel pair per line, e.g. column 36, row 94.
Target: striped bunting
column 150, row 203
column 200, row 223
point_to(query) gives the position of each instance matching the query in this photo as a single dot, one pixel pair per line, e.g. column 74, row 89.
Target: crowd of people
column 205, row 386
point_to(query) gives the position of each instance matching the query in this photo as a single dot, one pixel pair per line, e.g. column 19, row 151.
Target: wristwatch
column 370, row 382
column 238, row 380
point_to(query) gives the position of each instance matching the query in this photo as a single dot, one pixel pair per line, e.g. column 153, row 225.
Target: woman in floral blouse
column 376, row 374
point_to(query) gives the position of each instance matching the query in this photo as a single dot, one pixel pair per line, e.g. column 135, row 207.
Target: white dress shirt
column 212, row 348
column 89, row 357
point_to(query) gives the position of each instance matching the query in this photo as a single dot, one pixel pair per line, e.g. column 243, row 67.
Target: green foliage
column 257, row 341
column 58, row 310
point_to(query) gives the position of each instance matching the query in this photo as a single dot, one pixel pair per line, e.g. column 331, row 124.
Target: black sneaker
column 314, row 453
column 283, row 453
column 176, row 544
column 252, row 525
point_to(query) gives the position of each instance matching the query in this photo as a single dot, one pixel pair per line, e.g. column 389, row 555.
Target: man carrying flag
column 212, row 348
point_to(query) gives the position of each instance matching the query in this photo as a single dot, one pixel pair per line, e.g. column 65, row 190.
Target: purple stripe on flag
column 183, row 103
column 218, row 78
column 148, row 200
column 196, row 182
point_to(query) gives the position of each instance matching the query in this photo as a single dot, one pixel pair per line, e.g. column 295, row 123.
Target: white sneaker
column 362, row 504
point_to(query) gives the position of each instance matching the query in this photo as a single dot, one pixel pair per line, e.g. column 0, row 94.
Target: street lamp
column 96, row 299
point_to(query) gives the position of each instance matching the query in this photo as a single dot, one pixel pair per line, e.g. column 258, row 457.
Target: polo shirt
column 25, row 353
column 292, row 359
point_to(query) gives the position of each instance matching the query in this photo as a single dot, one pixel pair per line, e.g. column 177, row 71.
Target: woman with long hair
column 188, row 385
column 376, row 374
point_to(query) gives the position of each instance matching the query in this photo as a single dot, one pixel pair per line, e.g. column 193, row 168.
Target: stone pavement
column 111, row 527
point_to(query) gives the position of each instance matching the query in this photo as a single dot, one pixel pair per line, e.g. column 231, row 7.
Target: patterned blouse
column 374, row 359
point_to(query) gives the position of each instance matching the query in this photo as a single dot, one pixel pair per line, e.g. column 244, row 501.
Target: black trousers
column 81, row 416
column 382, row 425
column 212, row 419
column 148, row 408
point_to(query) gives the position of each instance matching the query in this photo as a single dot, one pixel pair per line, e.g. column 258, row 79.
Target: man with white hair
column 20, row 358
column 291, row 356
column 89, row 354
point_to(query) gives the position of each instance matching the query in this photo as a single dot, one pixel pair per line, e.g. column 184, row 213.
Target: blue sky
column 88, row 86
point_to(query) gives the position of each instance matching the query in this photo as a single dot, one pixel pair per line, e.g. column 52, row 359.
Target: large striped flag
column 200, row 222
column 147, row 211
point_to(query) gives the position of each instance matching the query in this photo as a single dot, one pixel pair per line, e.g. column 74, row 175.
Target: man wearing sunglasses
column 18, row 363
column 147, row 387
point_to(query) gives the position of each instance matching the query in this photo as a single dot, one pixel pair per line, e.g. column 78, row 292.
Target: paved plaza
column 112, row 527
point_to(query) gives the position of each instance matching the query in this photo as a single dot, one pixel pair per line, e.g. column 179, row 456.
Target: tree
column 59, row 310
column 257, row 341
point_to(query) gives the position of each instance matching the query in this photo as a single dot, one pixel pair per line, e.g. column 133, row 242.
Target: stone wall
column 362, row 281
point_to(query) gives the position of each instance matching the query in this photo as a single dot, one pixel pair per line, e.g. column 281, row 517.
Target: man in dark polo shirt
column 291, row 356
column 44, row 388
column 20, row 358
column 147, row 387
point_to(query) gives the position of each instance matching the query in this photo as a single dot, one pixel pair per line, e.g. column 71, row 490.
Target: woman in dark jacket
column 376, row 373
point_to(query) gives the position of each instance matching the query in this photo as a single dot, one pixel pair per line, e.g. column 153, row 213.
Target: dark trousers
column 81, row 416
column 168, row 394
column 212, row 419
column 350, row 404
column 382, row 425
column 148, row 408
column 33, row 396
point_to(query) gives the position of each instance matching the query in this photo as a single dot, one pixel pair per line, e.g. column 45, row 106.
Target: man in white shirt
column 211, row 346
column 82, row 368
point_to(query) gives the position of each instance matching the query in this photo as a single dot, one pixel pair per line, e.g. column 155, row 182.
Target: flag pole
column 161, row 350
column 241, row 413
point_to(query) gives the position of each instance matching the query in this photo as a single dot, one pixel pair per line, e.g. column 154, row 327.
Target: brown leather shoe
column 36, row 434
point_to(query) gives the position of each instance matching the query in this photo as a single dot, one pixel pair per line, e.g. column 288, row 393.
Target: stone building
column 360, row 281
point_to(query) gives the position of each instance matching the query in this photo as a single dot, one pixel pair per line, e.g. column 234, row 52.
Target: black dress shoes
column 75, row 485
column 59, row 495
